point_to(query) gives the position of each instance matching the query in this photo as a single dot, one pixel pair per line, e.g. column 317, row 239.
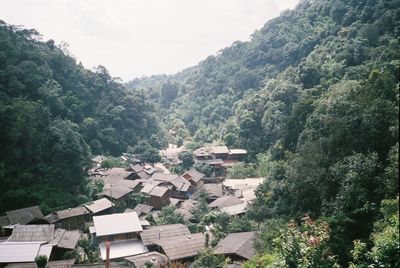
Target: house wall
column 73, row 223
column 117, row 237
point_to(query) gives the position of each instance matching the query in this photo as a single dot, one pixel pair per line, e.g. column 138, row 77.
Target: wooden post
column 108, row 254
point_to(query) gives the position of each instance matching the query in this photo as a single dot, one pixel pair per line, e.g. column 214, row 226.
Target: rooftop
column 235, row 209
column 32, row 233
column 219, row 150
column 71, row 212
column 99, row 205
column 169, row 231
column 69, row 240
column 142, row 209
column 240, row 244
column 115, row 192
column 117, row 224
column 123, row 248
column 193, row 175
column 214, row 189
column 225, row 201
column 24, row 215
column 184, row 246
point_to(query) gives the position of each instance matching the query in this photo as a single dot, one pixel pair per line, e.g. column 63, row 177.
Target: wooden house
column 238, row 246
column 122, row 231
column 70, row 219
column 99, row 207
column 194, row 177
column 156, row 196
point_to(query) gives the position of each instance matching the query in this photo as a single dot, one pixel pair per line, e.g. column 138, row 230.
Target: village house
column 237, row 246
column 219, row 157
column 155, row 234
column 235, row 210
column 174, row 240
column 243, row 188
column 195, row 178
column 122, row 231
column 156, row 196
column 29, row 241
column 225, row 201
column 70, row 219
column 142, row 209
column 213, row 191
column 99, row 207
column 116, row 194
column 29, row 215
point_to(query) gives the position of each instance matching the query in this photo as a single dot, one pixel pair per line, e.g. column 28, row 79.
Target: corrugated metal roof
column 119, row 223
column 32, row 233
column 99, row 205
column 182, row 247
column 123, row 248
column 18, row 252
column 169, row 231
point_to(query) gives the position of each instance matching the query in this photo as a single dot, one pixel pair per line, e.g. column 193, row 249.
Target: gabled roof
column 219, row 150
column 32, row 233
column 157, row 259
column 99, row 205
column 71, row 212
column 24, row 215
column 201, row 152
column 225, row 201
column 116, row 173
column 169, row 231
column 214, row 189
column 119, row 223
column 184, row 246
column 154, row 190
column 163, row 177
column 235, row 209
column 240, row 244
column 115, row 192
column 193, row 175
column 142, row 209
column 69, row 240
column 181, row 184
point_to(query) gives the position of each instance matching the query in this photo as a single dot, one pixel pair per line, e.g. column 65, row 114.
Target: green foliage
column 53, row 114
column 147, row 152
column 306, row 245
column 203, row 168
column 168, row 215
column 207, row 258
column 187, row 160
column 41, row 261
column 111, row 162
column 385, row 239
column 241, row 171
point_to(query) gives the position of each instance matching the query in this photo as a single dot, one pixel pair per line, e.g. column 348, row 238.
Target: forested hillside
column 314, row 94
column 53, row 115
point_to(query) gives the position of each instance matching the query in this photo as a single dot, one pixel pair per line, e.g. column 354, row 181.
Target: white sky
column 133, row 38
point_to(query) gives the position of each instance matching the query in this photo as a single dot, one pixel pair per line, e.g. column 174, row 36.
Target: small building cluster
column 120, row 230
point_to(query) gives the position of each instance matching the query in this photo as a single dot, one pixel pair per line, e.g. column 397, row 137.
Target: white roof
column 92, row 230
column 45, row 250
column 18, row 251
column 119, row 223
column 249, row 195
column 123, row 248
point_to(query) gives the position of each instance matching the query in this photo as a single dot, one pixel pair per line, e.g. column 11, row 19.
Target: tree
column 187, row 160
column 41, row 261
